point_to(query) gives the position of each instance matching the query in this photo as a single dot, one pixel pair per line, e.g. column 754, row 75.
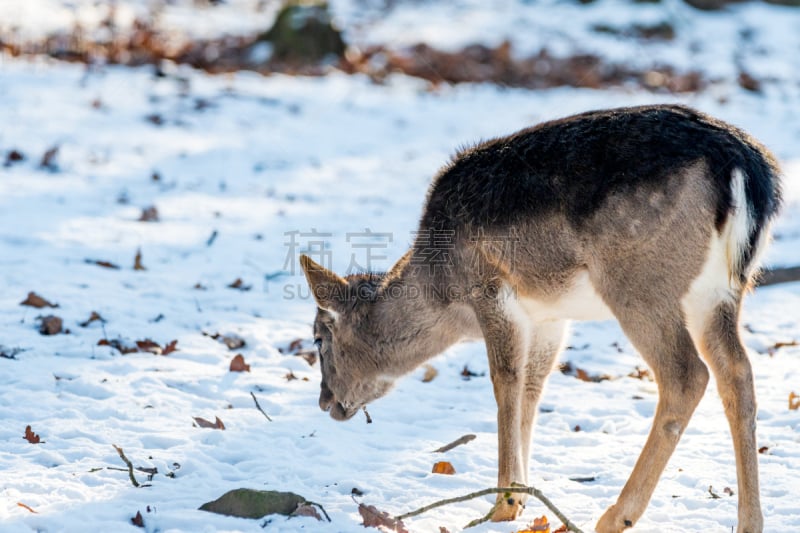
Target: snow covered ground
column 239, row 167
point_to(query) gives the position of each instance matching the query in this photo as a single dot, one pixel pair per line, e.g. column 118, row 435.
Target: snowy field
column 245, row 172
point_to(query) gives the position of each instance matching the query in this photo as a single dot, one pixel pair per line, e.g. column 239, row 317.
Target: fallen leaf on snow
column 238, row 284
column 49, row 159
column 34, row 300
column 467, row 374
column 137, row 261
column 430, row 373
column 203, row 423
column 119, row 345
column 138, row 520
column 238, row 364
column 30, row 436
column 171, row 346
column 14, row 156
column 232, row 341
column 50, row 325
column 372, row 517
column 306, row 509
column 149, row 214
column 94, row 317
column 443, row 467
column 794, row 401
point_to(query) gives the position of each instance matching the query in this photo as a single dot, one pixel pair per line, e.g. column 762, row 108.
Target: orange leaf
column 794, row 401
column 203, row 423
column 30, row 436
column 28, row 507
column 540, row 525
column 443, row 467
column 238, row 364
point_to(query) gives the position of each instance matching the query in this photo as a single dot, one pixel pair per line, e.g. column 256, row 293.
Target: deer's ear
column 328, row 289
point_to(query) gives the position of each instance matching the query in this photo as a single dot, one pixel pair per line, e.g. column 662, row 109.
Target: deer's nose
column 325, row 398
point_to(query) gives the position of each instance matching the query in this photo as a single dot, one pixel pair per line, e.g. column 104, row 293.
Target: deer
column 655, row 216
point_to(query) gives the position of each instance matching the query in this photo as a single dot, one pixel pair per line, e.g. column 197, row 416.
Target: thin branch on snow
column 458, row 442
column 129, row 465
column 533, row 491
column 259, row 407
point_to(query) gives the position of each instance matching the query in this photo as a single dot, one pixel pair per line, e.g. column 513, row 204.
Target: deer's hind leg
column 650, row 315
column 714, row 321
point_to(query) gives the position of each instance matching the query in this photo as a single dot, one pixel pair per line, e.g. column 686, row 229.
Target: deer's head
column 351, row 346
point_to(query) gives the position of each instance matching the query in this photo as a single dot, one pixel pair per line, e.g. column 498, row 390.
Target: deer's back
column 571, row 166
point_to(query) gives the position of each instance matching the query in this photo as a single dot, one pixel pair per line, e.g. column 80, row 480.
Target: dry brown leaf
column 203, row 423
column 310, row 356
column 583, row 375
column 443, row 529
column 443, row 467
column 94, row 317
column 289, row 376
column 641, row 373
column 763, row 449
column 172, row 346
column 27, row 507
column 562, row 529
column 30, row 436
column 14, row 156
column 149, row 214
column 306, row 509
column 232, row 341
column 238, row 364
column 137, row 261
column 34, row 300
column 382, row 520
column 147, row 345
column 794, row 401
column 118, row 345
column 49, row 159
column 295, row 346
column 50, row 325
column 430, row 373
column 239, row 285
column 138, row 520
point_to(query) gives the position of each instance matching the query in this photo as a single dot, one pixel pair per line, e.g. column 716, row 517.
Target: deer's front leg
column 506, row 338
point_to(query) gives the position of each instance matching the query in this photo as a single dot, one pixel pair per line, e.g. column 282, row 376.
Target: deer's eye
column 318, row 343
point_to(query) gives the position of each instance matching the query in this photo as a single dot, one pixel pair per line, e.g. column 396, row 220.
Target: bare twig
column 458, row 442
column 533, row 491
column 772, row 276
column 259, row 407
column 128, row 464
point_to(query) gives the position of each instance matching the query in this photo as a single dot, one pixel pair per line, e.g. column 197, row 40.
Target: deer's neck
column 416, row 322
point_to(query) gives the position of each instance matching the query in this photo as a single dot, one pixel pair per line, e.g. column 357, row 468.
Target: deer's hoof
column 612, row 521
column 508, row 507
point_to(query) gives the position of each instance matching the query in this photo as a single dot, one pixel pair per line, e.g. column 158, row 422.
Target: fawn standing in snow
column 655, row 216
